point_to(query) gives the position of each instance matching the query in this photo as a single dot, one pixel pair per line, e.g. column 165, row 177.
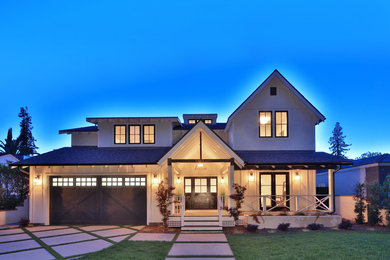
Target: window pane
column 213, row 189
column 281, row 124
column 265, row 121
column 120, row 134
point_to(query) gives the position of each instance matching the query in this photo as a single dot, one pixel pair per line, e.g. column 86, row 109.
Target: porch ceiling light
column 251, row 177
column 297, row 177
column 200, row 165
column 37, row 180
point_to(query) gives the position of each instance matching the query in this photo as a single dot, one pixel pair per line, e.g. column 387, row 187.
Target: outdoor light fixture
column 155, row 179
column 251, row 177
column 37, row 180
column 222, row 179
column 200, row 165
column 297, row 177
column 178, row 179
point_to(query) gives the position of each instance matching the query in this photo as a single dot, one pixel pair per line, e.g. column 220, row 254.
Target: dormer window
column 149, row 134
column 208, row 121
column 134, row 134
column 192, row 121
column 120, row 134
column 265, row 120
column 281, row 124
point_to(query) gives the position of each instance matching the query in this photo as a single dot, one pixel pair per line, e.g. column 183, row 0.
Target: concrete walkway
column 207, row 245
column 50, row 242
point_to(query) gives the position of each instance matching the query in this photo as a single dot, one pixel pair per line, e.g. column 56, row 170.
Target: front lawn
column 312, row 245
column 133, row 250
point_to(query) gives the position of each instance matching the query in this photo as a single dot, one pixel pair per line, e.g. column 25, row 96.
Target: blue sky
column 67, row 60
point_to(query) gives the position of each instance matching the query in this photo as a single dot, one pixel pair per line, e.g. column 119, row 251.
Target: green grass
column 312, row 245
column 133, row 250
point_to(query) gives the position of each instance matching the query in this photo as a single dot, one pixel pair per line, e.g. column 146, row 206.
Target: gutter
column 334, row 188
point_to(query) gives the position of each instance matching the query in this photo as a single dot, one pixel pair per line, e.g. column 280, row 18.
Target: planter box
column 272, row 222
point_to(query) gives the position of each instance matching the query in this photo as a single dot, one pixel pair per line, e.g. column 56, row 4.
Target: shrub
column 164, row 196
column 283, row 226
column 345, row 224
column 360, row 207
column 14, row 187
column 238, row 198
column 314, row 226
column 374, row 215
column 24, row 222
column 385, row 194
column 251, row 227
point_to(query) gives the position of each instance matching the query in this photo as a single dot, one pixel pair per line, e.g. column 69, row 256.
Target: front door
column 275, row 186
column 200, row 192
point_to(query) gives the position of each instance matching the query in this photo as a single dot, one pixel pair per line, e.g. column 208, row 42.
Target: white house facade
column 111, row 172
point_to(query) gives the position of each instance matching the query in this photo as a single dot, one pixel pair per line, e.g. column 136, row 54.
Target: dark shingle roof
column 216, row 126
column 80, row 129
column 94, row 155
column 290, row 157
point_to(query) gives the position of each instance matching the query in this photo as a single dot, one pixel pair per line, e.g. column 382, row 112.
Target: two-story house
column 111, row 172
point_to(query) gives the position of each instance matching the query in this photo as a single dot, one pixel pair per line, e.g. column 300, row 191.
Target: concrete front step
column 194, row 218
column 201, row 228
column 201, row 223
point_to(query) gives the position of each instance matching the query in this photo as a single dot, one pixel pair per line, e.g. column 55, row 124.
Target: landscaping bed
column 159, row 229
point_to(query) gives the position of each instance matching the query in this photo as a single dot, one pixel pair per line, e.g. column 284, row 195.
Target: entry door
column 200, row 192
column 277, row 186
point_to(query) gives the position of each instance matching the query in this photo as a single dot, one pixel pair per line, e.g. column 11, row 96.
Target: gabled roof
column 97, row 156
column 79, row 129
column 211, row 133
column 95, row 120
column 276, row 73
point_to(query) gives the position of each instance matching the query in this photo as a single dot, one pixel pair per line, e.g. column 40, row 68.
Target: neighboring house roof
column 206, row 128
column 79, row 129
column 290, row 157
column 96, row 156
column 276, row 73
column 216, row 126
column 7, row 159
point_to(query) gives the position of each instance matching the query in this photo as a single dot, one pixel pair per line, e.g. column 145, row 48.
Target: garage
column 100, row 200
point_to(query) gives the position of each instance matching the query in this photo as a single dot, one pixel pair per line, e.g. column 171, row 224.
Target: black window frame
column 273, row 91
column 115, row 134
column 273, row 189
column 140, row 133
column 287, row 125
column 270, row 123
column 154, row 133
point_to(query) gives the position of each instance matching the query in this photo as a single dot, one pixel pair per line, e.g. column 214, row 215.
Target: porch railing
column 292, row 203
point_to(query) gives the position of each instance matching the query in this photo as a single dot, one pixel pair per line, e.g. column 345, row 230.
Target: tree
column 14, row 187
column 337, row 143
column 10, row 146
column 164, row 196
column 26, row 139
column 374, row 215
column 360, row 207
column 368, row 155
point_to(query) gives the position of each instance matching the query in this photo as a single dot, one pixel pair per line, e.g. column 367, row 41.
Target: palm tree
column 10, row 146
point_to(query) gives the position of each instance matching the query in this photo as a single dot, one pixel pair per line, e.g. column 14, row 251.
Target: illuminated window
column 135, row 181
column 149, row 134
column 265, row 120
column 62, row 182
column 208, row 121
column 86, row 182
column 281, row 124
column 112, row 182
column 200, row 185
column 192, row 121
column 134, row 134
column 213, row 185
column 187, row 186
column 120, row 134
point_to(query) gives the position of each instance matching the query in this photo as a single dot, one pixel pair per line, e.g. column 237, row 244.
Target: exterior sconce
column 297, row 177
column 178, row 179
column 37, row 180
column 222, row 179
column 155, row 179
column 251, row 177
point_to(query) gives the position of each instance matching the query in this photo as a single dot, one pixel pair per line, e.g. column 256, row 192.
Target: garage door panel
column 97, row 204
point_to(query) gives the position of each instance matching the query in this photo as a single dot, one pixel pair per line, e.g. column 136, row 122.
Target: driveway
column 50, row 242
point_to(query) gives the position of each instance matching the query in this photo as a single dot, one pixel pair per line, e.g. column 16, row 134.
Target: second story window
column 134, row 134
column 149, row 134
column 120, row 134
column 192, row 121
column 208, row 121
column 281, row 124
column 265, row 121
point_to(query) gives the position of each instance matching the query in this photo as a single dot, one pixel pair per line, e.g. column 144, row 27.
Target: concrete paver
column 36, row 254
column 95, row 228
column 18, row 245
column 201, row 238
column 67, row 239
column 14, row 237
column 152, row 237
column 56, row 232
column 196, row 249
column 118, row 239
column 114, row 232
column 81, row 248
column 137, row 227
column 11, row 231
column 43, row 228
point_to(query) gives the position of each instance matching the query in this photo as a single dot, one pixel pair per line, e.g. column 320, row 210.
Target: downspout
column 334, row 188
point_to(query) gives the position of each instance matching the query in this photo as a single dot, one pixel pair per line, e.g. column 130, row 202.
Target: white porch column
column 170, row 177
column 331, row 189
column 231, row 180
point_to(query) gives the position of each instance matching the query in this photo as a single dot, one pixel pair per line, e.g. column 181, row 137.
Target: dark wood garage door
column 104, row 200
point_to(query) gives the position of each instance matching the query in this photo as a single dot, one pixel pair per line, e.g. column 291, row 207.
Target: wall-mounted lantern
column 222, row 179
column 178, row 179
column 155, row 179
column 251, row 176
column 37, row 180
column 297, row 177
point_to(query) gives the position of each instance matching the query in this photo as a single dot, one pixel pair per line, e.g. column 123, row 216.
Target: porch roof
column 291, row 158
column 96, row 156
